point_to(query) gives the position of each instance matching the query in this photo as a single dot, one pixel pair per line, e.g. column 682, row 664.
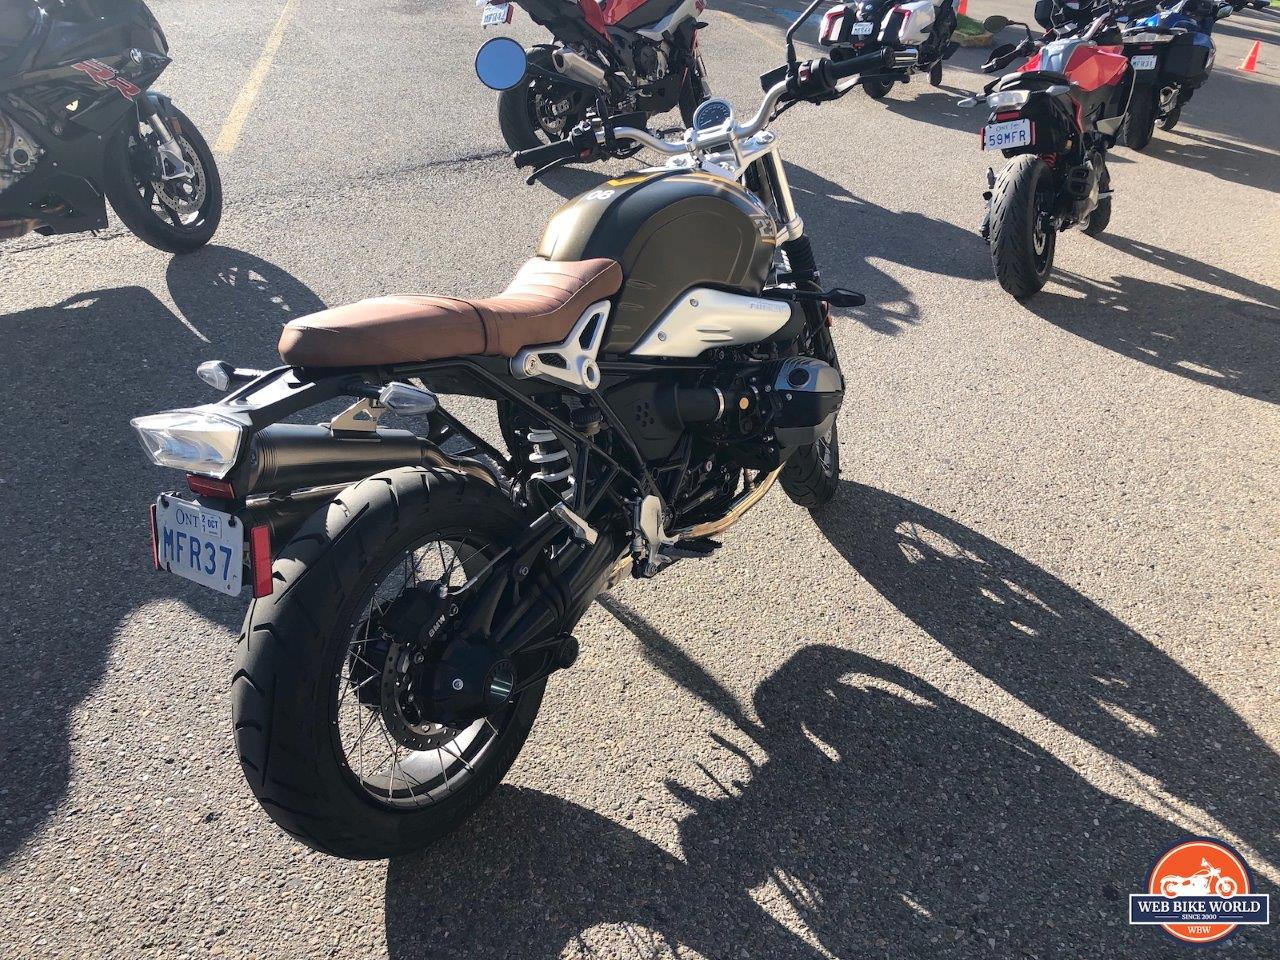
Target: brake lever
column 547, row 168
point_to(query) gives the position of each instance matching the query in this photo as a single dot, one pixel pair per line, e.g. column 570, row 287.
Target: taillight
column 260, row 559
column 1011, row 115
column 209, row 487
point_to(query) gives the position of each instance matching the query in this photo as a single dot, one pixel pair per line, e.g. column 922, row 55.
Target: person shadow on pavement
column 866, row 814
column 1063, row 656
column 75, row 489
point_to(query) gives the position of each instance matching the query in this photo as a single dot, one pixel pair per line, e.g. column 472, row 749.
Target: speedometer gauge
column 711, row 114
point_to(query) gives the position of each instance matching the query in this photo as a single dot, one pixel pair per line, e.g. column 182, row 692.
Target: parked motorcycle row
column 660, row 363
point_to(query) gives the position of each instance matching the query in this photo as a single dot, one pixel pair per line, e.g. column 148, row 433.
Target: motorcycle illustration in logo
column 1199, row 891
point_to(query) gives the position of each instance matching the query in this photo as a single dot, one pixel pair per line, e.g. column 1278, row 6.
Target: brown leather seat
column 539, row 306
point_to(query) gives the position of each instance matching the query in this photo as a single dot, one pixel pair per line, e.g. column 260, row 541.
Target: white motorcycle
column 926, row 26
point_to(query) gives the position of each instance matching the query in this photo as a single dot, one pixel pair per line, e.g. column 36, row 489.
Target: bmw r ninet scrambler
column 78, row 123
column 1055, row 118
column 870, row 25
column 1171, row 53
column 662, row 360
column 610, row 58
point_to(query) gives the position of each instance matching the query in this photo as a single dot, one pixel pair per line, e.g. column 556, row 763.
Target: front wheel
column 1140, row 124
column 176, row 215
column 1023, row 234
column 812, row 474
column 328, row 722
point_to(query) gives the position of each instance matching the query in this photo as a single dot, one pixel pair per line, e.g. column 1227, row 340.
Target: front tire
column 177, row 216
column 812, row 474
column 1023, row 237
column 295, row 686
column 1140, row 124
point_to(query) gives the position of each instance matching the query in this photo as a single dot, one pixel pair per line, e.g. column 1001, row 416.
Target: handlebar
column 810, row 80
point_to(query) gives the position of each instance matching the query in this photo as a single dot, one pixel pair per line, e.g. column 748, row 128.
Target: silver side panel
column 655, row 31
column 704, row 318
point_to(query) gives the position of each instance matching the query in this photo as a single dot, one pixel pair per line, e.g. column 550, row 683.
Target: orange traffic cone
column 963, row 8
column 1250, row 64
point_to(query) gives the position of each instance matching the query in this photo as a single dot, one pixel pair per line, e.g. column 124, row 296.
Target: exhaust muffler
column 579, row 68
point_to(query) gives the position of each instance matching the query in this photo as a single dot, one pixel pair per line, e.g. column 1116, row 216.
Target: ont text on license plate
column 1144, row 63
column 1005, row 136
column 863, row 29
column 495, row 14
column 200, row 544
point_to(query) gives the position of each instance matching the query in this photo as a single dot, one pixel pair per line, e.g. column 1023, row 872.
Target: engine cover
column 807, row 395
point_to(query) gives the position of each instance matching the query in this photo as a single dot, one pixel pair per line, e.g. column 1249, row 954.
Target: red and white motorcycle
column 609, row 59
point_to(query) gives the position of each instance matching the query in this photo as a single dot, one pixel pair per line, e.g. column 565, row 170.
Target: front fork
column 172, row 165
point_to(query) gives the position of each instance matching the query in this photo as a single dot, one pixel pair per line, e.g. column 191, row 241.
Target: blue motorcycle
column 1171, row 53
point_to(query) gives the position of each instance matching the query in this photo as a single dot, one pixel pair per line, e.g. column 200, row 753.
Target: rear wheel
column 327, row 721
column 935, row 73
column 1170, row 119
column 539, row 110
column 877, row 87
column 1023, row 234
column 1141, row 121
column 176, row 215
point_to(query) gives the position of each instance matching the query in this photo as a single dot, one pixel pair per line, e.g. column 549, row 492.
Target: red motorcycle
column 610, row 58
column 1055, row 118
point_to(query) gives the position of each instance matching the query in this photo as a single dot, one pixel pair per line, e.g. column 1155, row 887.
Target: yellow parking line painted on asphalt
column 756, row 32
column 230, row 134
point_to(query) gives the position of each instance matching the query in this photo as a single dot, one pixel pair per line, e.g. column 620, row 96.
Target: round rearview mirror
column 995, row 23
column 501, row 63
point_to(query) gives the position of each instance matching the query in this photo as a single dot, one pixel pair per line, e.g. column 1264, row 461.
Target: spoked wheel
column 539, row 110
column 332, row 706
column 177, row 214
column 1022, row 229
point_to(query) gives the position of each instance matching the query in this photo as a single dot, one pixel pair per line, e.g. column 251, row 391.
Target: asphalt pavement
column 956, row 714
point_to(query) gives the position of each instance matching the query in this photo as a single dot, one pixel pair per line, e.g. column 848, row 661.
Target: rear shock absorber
column 550, row 461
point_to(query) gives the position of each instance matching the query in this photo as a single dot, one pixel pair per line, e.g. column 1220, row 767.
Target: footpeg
column 580, row 529
column 692, row 549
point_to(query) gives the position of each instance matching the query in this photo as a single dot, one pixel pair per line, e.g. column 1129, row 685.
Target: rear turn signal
column 260, row 559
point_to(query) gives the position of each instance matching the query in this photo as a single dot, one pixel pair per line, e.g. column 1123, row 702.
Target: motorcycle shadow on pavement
column 1066, row 658
column 848, row 231
column 74, row 493
column 886, row 819
column 1230, row 341
column 1237, row 162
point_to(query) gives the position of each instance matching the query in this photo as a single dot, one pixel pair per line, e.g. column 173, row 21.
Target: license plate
column 200, row 544
column 495, row 14
column 1144, row 63
column 1005, row 136
column 863, row 29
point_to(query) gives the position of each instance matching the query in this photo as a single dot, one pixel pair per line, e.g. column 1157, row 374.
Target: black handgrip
column 548, row 153
column 841, row 69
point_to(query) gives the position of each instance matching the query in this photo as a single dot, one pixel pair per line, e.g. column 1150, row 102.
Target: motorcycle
column 78, row 124
column 924, row 25
column 1054, row 118
column 1171, row 53
column 1202, row 883
column 617, row 57
column 662, row 361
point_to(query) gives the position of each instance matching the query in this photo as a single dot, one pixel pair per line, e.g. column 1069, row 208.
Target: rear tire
column 935, row 74
column 518, row 119
column 1022, row 244
column 1140, row 124
column 692, row 93
column 287, row 699
column 877, row 88
column 1170, row 119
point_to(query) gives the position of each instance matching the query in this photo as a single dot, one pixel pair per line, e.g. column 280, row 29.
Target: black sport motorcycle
column 617, row 57
column 658, row 365
column 78, row 123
